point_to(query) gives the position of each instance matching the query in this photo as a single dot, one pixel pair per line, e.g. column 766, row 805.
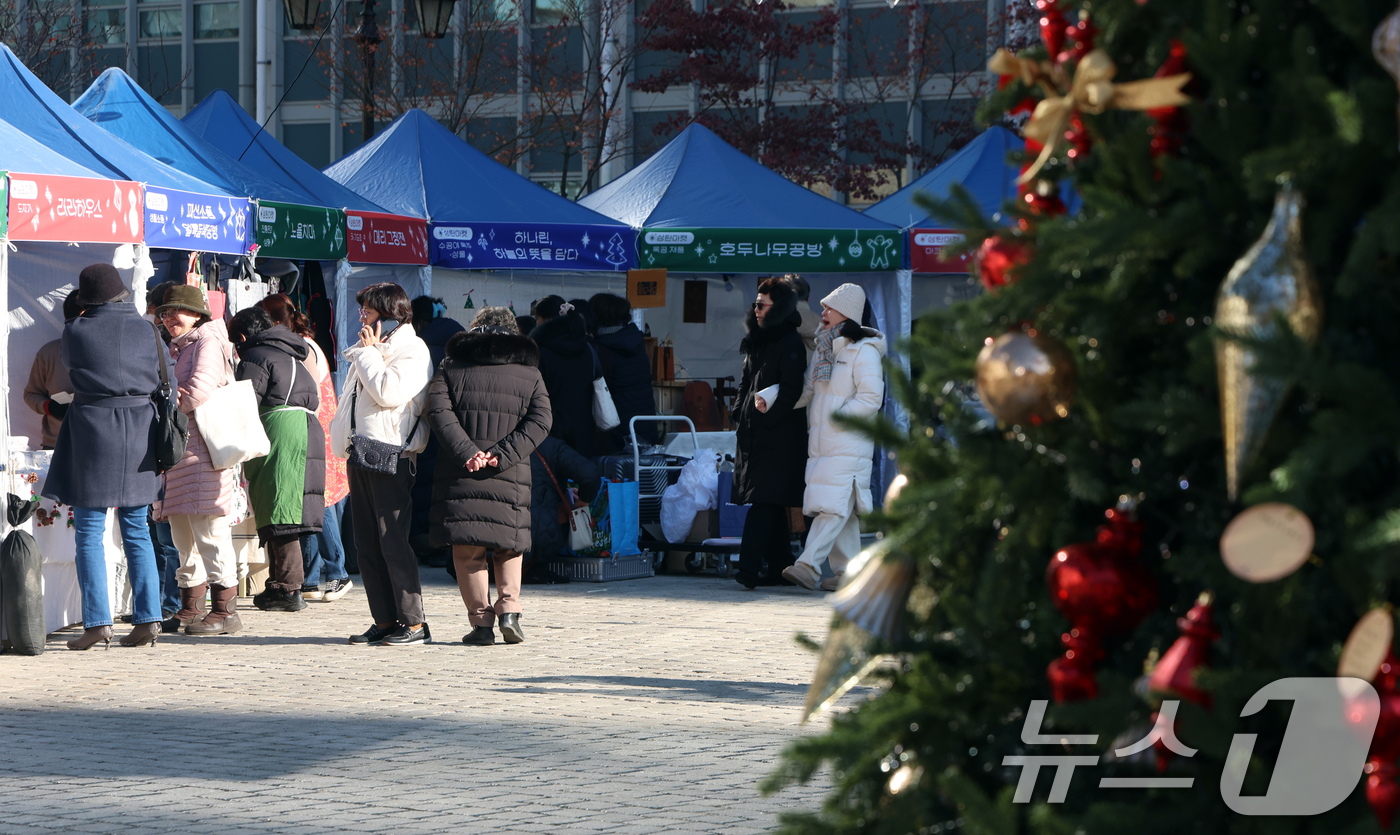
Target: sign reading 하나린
column 533, row 246
column 770, row 250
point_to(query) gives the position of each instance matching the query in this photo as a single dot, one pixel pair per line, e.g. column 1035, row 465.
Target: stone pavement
column 646, row 706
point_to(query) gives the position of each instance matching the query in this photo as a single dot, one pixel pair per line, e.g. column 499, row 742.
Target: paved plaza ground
column 646, row 706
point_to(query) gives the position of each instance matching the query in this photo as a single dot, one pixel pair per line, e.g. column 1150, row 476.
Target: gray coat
column 104, row 456
column 487, row 397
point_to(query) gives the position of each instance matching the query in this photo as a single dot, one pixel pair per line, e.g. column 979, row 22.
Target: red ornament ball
column 997, row 260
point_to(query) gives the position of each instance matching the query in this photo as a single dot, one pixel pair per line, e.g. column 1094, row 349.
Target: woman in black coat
column 771, row 460
column 569, row 368
column 287, row 487
column 547, row 535
column 626, row 367
column 488, row 407
column 104, row 456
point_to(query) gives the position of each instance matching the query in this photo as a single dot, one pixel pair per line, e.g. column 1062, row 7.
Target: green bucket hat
column 185, row 297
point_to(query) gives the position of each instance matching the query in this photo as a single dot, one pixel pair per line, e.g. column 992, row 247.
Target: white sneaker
column 803, row 575
column 336, row 589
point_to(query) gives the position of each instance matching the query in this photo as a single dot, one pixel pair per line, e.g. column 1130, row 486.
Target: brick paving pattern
column 646, row 706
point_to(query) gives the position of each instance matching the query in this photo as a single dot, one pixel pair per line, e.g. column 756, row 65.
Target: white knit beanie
column 848, row 300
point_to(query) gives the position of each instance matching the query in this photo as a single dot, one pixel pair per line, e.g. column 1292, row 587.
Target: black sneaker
column 374, row 635
column 336, row 589
column 480, row 636
column 278, row 600
column 403, row 636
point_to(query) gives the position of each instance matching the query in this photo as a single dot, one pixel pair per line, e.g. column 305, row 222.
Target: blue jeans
column 90, row 527
column 323, row 554
column 167, row 560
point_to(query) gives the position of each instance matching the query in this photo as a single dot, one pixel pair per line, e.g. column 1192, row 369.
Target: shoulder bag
column 605, row 415
column 171, row 429
column 229, row 423
column 369, row 454
column 578, row 516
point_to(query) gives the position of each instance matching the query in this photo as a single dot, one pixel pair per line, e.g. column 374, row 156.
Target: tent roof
column 698, row 180
column 122, row 108
column 416, row 166
column 21, row 153
column 222, row 123
column 980, row 166
column 38, row 112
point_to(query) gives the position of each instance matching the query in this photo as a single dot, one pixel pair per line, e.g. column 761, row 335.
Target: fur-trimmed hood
column 493, row 349
column 782, row 319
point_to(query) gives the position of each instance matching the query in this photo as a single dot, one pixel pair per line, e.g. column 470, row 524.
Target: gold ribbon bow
column 1092, row 91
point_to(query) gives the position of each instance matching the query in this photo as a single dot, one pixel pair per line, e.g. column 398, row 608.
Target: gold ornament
column 871, row 604
column 897, row 485
column 1385, row 45
column 1091, row 91
column 1367, row 645
column 1273, row 277
column 1026, row 378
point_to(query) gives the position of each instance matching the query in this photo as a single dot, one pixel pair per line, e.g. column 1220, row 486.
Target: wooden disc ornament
column 1367, row 645
column 1267, row 542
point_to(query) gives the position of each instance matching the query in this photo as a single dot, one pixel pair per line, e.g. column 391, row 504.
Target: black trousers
column 767, row 538
column 382, row 513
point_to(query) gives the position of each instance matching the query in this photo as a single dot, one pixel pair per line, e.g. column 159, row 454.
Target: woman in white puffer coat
column 844, row 378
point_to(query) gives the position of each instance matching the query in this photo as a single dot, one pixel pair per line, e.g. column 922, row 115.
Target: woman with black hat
column 104, row 456
column 198, row 497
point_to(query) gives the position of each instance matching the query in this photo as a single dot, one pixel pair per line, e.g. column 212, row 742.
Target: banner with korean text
column 45, row 207
column 199, row 222
column 548, row 246
column 289, row 230
column 375, row 238
column 927, row 253
column 771, row 250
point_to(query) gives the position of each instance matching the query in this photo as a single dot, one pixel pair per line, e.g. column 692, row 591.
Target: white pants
column 833, row 537
column 206, row 550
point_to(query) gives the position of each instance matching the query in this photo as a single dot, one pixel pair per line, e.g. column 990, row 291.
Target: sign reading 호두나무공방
column 493, row 246
column 289, row 230
column 375, row 238
column 46, row 207
column 203, row 222
column 770, row 250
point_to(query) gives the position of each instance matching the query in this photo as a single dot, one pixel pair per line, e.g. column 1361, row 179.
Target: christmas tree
column 1131, row 387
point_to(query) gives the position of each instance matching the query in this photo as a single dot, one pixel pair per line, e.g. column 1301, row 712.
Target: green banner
column 770, row 250
column 286, row 230
column 4, row 203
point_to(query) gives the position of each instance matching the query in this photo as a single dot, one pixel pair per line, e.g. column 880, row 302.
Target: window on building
column 499, row 11
column 549, row 12
column 106, row 20
column 162, row 23
column 216, row 20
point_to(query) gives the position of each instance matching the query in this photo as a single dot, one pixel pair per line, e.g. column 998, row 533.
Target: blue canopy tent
column 40, row 113
column 484, row 216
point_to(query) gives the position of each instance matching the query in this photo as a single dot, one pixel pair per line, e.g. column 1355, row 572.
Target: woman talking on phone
column 379, row 428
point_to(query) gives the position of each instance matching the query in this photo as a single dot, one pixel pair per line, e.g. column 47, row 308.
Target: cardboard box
column 706, row 526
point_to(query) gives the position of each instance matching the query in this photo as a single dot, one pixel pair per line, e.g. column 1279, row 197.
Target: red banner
column 374, row 238
column 926, row 252
column 44, row 207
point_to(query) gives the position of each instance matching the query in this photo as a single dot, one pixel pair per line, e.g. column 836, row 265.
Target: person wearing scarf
column 845, row 379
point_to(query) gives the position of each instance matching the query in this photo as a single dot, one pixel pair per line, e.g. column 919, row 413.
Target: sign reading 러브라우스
column 770, row 250
column 289, row 230
column 46, row 207
column 533, row 246
column 201, row 222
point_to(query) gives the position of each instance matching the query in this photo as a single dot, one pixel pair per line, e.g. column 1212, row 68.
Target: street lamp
column 368, row 38
column 434, row 16
column 302, row 14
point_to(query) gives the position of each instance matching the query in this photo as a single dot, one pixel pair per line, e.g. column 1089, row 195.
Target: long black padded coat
column 104, row 456
column 488, row 396
column 770, row 466
column 568, row 369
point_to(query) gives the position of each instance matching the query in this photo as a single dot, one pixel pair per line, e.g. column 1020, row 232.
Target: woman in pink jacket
column 198, row 497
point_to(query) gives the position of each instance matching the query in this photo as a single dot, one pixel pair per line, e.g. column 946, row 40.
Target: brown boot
column 191, row 609
column 223, row 619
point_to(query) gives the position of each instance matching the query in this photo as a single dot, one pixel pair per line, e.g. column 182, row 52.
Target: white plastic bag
column 697, row 489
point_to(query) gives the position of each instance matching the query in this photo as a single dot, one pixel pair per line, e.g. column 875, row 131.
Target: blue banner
column 533, row 246
column 202, row 222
